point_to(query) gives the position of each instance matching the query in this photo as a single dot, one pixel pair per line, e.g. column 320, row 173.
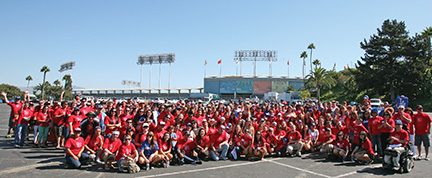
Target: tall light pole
column 158, row 59
column 141, row 63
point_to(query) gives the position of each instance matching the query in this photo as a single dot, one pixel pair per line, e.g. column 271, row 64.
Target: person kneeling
column 398, row 139
column 363, row 151
column 74, row 151
column 127, row 153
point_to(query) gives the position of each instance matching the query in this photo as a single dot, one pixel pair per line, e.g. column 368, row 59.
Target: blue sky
column 106, row 37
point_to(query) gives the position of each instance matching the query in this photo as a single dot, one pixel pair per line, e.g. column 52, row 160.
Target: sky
column 105, row 37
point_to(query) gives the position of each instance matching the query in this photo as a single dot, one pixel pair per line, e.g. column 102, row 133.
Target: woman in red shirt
column 44, row 119
column 387, row 127
column 94, row 143
column 202, row 143
column 74, row 150
column 260, row 145
column 363, row 152
column 341, row 146
column 112, row 122
column 165, row 146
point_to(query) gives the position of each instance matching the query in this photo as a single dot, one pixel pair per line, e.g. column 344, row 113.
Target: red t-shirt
column 15, row 107
column 109, row 120
column 341, row 143
column 59, row 121
column 421, row 123
column 259, row 143
column 385, row 129
column 25, row 116
column 237, row 139
column 409, row 125
column 246, row 140
column 217, row 138
column 75, row 145
column 205, row 141
column 76, row 121
column 165, row 146
column 367, row 145
column 94, row 142
column 188, row 146
column 402, row 135
column 329, row 137
column 44, row 117
column 357, row 130
column 112, row 145
column 294, row 136
column 126, row 150
column 374, row 124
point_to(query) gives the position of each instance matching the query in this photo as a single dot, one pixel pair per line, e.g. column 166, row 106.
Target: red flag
column 205, row 62
column 288, row 63
column 220, row 61
column 345, row 67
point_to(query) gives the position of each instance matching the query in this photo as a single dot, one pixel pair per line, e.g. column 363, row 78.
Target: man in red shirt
column 422, row 125
column 328, row 139
column 15, row 107
column 398, row 139
column 111, row 146
column 59, row 123
column 219, row 144
column 294, row 142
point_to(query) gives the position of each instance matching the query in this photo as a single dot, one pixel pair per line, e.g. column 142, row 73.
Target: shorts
column 10, row 121
column 59, row 129
column 422, row 138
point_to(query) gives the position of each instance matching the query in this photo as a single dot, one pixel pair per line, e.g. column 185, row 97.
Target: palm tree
column 320, row 78
column 311, row 47
column 316, row 63
column 44, row 69
column 68, row 82
column 304, row 56
column 28, row 78
column 57, row 83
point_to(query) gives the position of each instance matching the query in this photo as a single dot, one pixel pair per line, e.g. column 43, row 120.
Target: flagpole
column 220, row 72
column 288, row 69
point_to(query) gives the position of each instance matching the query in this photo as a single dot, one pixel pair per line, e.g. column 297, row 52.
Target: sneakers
column 17, row 146
column 369, row 162
column 147, row 167
column 298, row 154
column 417, row 158
column 427, row 158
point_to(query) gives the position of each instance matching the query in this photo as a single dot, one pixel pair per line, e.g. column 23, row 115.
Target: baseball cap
column 398, row 122
column 76, row 109
column 374, row 110
column 99, row 106
column 17, row 98
column 401, row 107
column 145, row 124
column 116, row 132
column 91, row 113
column 162, row 123
column 77, row 129
column 313, row 124
column 204, row 120
column 327, row 129
column 262, row 119
column 212, row 120
column 222, row 118
column 188, row 124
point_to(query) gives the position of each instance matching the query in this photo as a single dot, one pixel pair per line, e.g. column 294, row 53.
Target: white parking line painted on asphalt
column 300, row 169
column 27, row 167
column 206, row 169
column 354, row 172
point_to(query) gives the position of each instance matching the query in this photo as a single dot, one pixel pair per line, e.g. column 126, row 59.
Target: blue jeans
column 223, row 150
column 190, row 159
column 75, row 164
column 21, row 130
column 376, row 140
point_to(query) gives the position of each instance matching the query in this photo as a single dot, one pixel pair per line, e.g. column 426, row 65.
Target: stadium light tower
column 158, row 59
column 140, row 62
column 256, row 55
column 66, row 67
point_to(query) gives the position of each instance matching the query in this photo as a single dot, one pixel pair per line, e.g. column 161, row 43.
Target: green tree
column 381, row 68
column 44, row 69
column 28, row 78
column 316, row 63
column 68, row 82
column 57, row 83
column 320, row 78
column 11, row 91
column 311, row 47
column 304, row 56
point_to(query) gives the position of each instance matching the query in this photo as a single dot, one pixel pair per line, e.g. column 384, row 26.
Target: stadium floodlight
column 67, row 66
column 157, row 59
column 130, row 83
column 255, row 55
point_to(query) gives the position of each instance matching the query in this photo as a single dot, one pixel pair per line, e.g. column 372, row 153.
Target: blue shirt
column 147, row 150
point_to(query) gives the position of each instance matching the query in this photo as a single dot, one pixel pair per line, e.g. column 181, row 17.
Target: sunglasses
column 149, row 135
column 128, row 139
column 340, row 135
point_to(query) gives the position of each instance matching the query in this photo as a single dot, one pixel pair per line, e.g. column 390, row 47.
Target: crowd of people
column 151, row 134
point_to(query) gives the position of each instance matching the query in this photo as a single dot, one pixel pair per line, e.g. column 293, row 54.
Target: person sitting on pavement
column 94, row 144
column 363, row 151
column 127, row 152
column 341, row 146
column 219, row 144
column 111, row 146
column 75, row 155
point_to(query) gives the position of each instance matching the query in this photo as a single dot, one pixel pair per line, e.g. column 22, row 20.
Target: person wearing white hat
column 74, row 150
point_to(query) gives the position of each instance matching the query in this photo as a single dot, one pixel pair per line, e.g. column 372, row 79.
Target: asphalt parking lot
column 47, row 162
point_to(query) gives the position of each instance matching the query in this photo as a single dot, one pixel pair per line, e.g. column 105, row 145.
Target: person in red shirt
column 15, row 107
column 387, row 127
column 74, row 120
column 112, row 122
column 260, row 145
column 363, row 151
column 94, row 144
column 187, row 149
column 44, row 119
column 111, row 146
column 398, row 139
column 219, row 145
column 327, row 141
column 23, row 120
column 127, row 151
column 373, row 126
column 294, row 141
column 59, row 123
column 165, row 146
column 357, row 128
column 203, row 142
column 74, row 150
column 341, row 146
column 423, row 125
